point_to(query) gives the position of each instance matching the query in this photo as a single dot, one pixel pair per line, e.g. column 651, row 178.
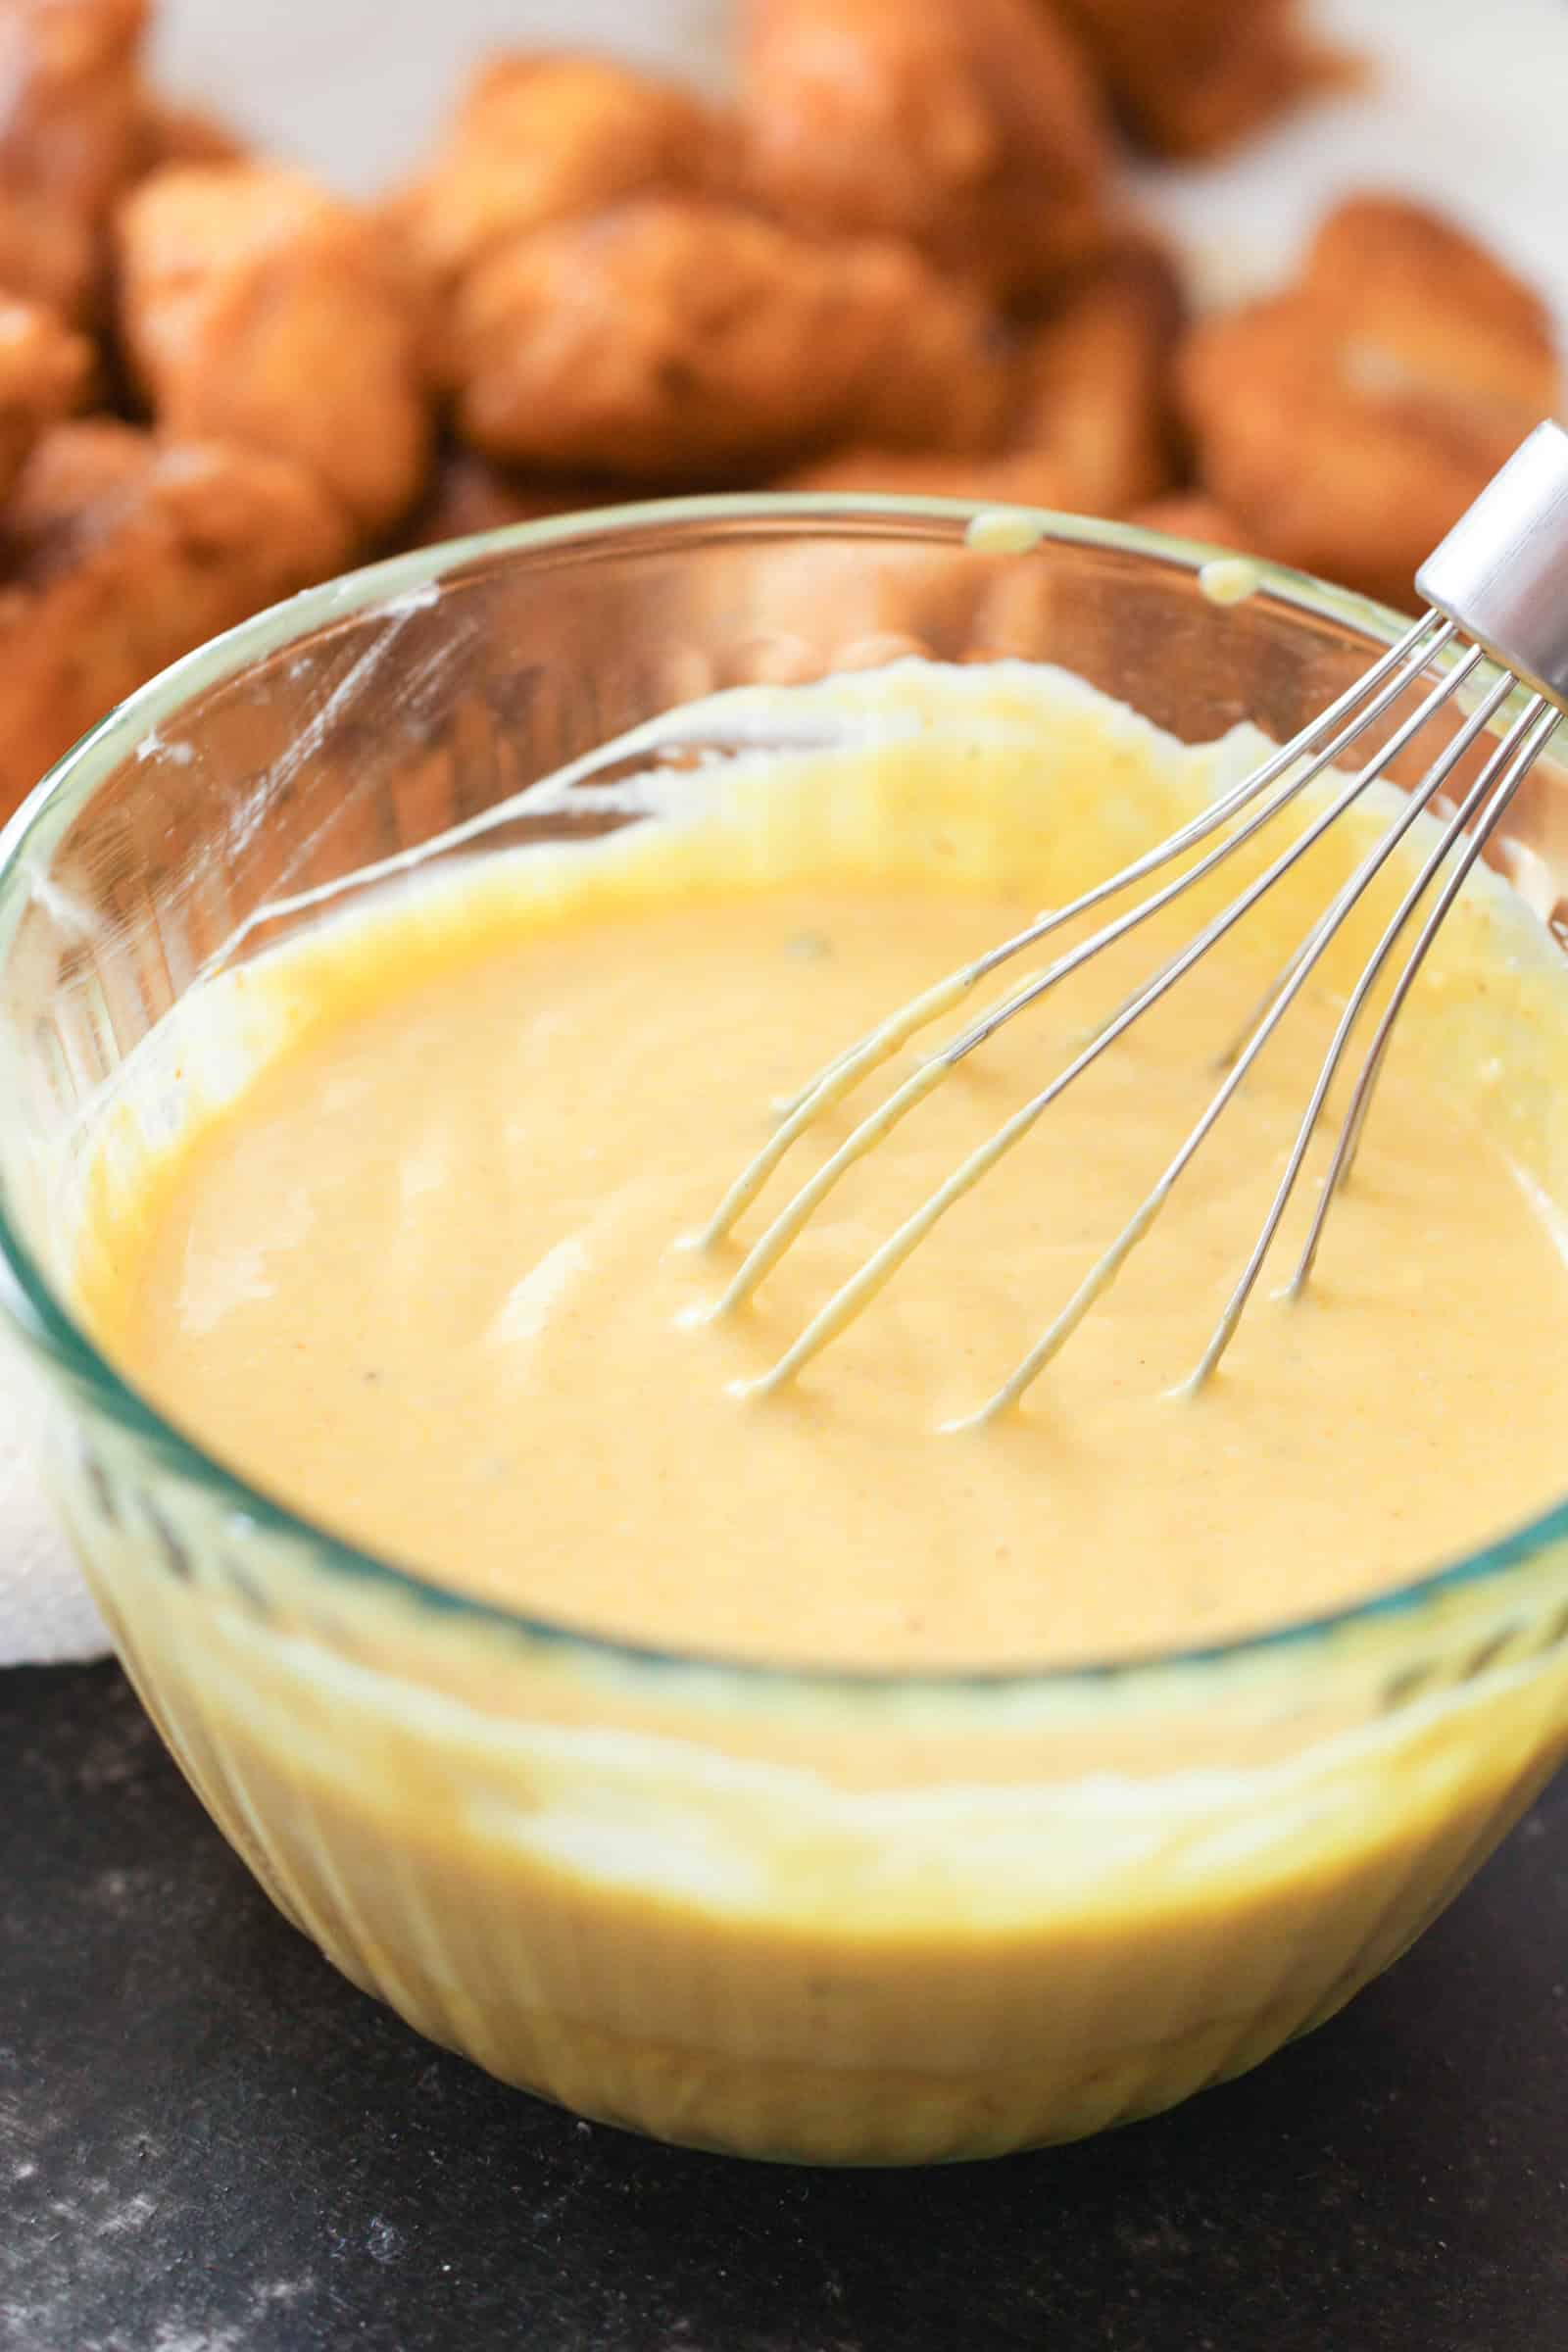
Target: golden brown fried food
column 796, row 610
column 674, row 337
column 116, row 554
column 69, row 102
column 172, row 132
column 1100, row 403
column 1024, row 478
column 1348, row 423
column 1094, row 433
column 972, row 127
column 537, row 139
column 69, row 118
column 467, row 494
column 45, row 370
column 1192, row 514
column 1432, row 313
column 257, row 309
column 46, row 256
column 1190, row 77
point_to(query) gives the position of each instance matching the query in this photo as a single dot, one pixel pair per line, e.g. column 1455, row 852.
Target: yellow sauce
column 386, row 1219
column 419, row 1278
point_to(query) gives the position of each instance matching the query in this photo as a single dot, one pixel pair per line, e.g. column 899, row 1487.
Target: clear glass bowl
column 822, row 1916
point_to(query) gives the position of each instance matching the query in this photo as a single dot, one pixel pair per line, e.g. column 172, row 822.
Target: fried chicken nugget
column 1191, row 77
column 1016, row 476
column 45, row 370
column 803, row 608
column 46, row 256
column 70, row 92
column 260, row 310
column 971, row 127
column 1348, row 423
column 169, row 131
column 116, row 554
column 468, row 495
column 1192, row 514
column 1433, row 313
column 1094, row 435
column 673, row 337
column 537, row 139
column 69, row 74
column 1100, row 405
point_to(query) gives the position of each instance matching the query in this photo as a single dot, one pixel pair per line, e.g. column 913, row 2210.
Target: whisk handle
column 1502, row 572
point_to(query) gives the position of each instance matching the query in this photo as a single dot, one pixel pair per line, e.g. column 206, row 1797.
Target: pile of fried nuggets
column 899, row 260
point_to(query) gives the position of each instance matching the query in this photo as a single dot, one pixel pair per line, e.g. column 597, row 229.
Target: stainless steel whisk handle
column 1502, row 572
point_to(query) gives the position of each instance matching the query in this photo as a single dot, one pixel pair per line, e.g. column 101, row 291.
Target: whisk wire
column 1369, row 976
column 856, row 1293
column 1102, row 1274
column 1537, row 734
column 1382, row 685
column 875, row 1128
column 1428, row 634
column 1030, row 991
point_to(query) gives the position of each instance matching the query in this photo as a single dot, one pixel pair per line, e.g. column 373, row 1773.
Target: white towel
column 45, row 1613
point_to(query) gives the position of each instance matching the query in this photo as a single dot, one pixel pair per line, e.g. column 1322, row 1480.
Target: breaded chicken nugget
column 258, row 308
column 1192, row 514
column 782, row 615
column 69, row 119
column 678, row 337
column 169, row 131
column 47, row 256
column 1348, row 424
column 69, row 100
column 537, row 139
column 116, row 554
column 468, row 494
column 1428, row 311
column 974, row 129
column 1024, row 478
column 1190, row 76
column 1099, row 402
column 1093, row 432
column 44, row 373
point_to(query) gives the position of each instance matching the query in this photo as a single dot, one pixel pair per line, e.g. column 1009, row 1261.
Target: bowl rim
column 45, row 1322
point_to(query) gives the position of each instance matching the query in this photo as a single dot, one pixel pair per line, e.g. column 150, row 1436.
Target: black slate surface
column 210, row 2143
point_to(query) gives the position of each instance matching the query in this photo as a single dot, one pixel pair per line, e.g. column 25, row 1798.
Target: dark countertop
column 209, row 2142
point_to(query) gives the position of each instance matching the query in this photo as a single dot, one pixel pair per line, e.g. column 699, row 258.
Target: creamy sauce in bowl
column 415, row 1272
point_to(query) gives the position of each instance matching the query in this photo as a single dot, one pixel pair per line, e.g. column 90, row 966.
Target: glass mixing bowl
column 823, row 1916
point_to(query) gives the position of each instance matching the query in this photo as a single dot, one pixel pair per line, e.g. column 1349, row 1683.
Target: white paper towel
column 45, row 1612
column 1468, row 110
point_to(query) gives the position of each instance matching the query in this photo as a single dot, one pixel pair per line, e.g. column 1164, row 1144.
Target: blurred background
column 291, row 289
column 1466, row 106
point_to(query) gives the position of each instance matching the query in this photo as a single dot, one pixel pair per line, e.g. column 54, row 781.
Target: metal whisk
column 1496, row 591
